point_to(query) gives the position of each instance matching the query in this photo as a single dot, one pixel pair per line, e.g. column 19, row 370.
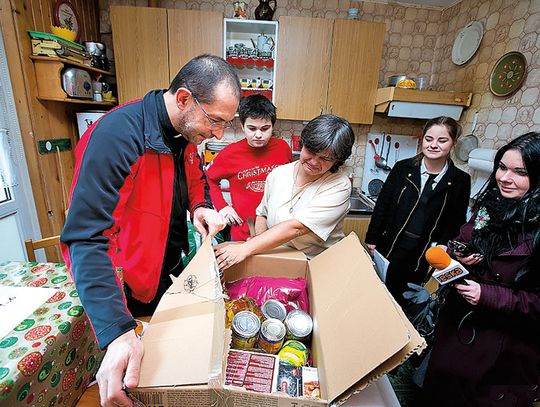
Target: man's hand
column 230, row 215
column 207, row 221
column 120, row 369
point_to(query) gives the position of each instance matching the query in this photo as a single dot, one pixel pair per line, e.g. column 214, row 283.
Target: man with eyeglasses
column 137, row 174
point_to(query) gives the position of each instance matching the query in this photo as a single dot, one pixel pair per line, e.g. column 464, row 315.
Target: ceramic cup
column 245, row 83
column 255, row 83
column 266, row 83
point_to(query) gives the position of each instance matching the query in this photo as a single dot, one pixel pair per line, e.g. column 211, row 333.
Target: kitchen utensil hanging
column 380, row 162
column 375, row 187
column 467, row 143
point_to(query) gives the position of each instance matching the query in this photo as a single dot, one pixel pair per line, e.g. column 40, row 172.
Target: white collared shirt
column 424, row 175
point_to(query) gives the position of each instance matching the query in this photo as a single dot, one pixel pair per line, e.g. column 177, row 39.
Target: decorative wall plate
column 508, row 74
column 467, row 42
column 65, row 15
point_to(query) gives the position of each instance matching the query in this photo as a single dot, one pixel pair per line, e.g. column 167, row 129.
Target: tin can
column 245, row 329
column 293, row 353
column 273, row 309
column 271, row 335
column 299, row 325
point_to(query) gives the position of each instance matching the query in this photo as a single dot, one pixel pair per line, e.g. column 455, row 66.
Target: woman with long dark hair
column 487, row 344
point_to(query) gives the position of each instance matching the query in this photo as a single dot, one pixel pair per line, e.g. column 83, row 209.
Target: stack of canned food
column 286, row 334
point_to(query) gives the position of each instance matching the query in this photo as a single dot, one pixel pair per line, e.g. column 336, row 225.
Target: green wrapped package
column 195, row 241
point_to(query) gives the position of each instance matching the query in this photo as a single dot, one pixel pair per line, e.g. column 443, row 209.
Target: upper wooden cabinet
column 152, row 44
column 193, row 33
column 328, row 66
column 140, row 50
column 303, row 65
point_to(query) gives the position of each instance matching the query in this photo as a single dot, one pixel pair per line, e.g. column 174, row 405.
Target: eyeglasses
column 214, row 123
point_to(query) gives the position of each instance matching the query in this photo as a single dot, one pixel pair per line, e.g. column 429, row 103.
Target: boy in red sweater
column 246, row 164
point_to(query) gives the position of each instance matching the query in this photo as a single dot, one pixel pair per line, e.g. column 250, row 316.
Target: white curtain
column 7, row 172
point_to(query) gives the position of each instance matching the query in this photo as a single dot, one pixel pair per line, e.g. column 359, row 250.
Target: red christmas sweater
column 246, row 169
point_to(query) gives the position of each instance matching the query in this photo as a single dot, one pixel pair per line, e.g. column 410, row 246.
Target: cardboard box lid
column 184, row 340
column 358, row 327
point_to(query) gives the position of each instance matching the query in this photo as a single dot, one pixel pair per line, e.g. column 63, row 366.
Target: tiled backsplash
column 419, row 41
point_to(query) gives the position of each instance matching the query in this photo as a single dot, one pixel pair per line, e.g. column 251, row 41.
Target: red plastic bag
column 291, row 292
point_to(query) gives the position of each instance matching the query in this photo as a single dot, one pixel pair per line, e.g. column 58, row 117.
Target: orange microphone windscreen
column 438, row 258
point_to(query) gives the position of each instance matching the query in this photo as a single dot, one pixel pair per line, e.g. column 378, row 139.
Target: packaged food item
column 290, row 380
column 245, row 330
column 299, row 325
column 311, row 387
column 252, row 371
column 292, row 292
column 233, row 307
column 271, row 335
column 293, row 353
column 273, row 309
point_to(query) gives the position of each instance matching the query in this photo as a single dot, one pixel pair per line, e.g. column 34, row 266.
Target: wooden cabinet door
column 140, row 50
column 302, row 67
column 358, row 225
column 356, row 58
column 193, row 33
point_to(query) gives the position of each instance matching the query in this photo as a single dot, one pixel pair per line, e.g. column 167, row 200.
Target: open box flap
column 357, row 325
column 184, row 340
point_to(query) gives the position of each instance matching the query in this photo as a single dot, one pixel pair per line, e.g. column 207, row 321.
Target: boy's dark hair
column 256, row 107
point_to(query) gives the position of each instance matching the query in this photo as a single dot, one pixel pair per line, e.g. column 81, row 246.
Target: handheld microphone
column 447, row 269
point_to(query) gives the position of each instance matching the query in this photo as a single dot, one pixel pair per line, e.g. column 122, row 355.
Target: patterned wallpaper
column 418, row 42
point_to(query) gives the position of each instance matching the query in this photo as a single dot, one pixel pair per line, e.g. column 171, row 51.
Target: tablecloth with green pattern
column 51, row 356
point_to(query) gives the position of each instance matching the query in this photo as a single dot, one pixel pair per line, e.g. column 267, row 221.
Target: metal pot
column 94, row 48
column 394, row 79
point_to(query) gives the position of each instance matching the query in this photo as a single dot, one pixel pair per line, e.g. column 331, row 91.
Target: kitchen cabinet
column 192, row 33
column 152, row 44
column 358, row 224
column 250, row 46
column 140, row 50
column 329, row 66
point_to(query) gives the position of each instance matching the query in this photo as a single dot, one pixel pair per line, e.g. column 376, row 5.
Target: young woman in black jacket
column 423, row 202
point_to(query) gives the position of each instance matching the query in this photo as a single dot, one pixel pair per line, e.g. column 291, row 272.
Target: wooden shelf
column 71, row 63
column 49, row 80
column 391, row 94
column 79, row 101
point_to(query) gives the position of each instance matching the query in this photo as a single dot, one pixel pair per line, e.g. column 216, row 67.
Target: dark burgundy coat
column 489, row 354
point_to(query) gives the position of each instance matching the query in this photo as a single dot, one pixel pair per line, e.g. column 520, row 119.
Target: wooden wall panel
column 43, row 120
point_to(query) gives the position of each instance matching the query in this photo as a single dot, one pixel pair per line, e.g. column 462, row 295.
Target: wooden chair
column 32, row 245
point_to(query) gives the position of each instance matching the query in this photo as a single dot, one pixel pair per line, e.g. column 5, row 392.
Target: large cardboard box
column 359, row 331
